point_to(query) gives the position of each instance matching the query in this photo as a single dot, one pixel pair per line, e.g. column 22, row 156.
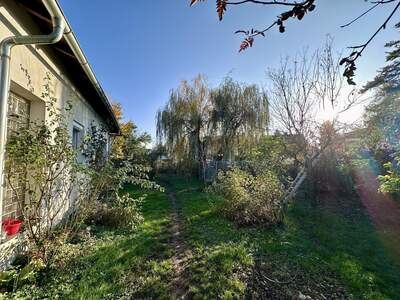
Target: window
column 76, row 138
column 17, row 119
column 77, row 135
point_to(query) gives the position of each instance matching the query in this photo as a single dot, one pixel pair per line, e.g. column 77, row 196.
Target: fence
column 212, row 167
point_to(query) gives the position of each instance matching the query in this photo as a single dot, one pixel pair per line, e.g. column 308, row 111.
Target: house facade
column 34, row 67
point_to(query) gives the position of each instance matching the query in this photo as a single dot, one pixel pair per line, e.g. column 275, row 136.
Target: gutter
column 61, row 28
column 6, row 46
column 80, row 56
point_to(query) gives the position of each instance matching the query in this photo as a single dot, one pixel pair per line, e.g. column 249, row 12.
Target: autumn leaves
column 297, row 11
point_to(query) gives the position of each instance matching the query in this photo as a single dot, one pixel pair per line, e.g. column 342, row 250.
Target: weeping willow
column 240, row 117
column 182, row 125
column 199, row 123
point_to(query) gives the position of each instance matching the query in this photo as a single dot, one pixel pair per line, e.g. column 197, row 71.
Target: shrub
column 390, row 182
column 41, row 159
column 250, row 199
column 124, row 213
column 106, row 178
column 60, row 191
column 105, row 216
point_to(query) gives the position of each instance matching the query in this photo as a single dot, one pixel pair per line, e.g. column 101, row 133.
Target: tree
column 273, row 153
column 381, row 120
column 388, row 78
column 240, row 115
column 129, row 145
column 325, row 174
column 199, row 123
column 298, row 10
column 184, row 123
column 380, row 139
column 301, row 86
column 299, row 89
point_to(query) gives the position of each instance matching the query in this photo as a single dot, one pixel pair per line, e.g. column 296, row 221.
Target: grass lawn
column 115, row 264
column 317, row 252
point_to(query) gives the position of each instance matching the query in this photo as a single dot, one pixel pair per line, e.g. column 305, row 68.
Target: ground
column 320, row 253
column 185, row 250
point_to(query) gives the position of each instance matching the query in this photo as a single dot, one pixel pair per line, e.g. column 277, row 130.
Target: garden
column 247, row 192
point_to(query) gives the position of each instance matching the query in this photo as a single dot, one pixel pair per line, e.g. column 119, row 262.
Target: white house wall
column 29, row 68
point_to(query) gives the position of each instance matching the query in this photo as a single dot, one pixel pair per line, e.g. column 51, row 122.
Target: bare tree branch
column 350, row 61
column 299, row 10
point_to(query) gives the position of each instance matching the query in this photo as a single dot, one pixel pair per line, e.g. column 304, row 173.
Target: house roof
column 79, row 74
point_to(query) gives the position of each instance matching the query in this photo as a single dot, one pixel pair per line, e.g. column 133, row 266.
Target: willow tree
column 183, row 124
column 240, row 116
column 199, row 123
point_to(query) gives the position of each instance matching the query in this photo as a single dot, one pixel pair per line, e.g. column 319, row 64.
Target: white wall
column 29, row 67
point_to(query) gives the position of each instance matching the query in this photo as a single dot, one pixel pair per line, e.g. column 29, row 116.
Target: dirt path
column 179, row 286
column 382, row 209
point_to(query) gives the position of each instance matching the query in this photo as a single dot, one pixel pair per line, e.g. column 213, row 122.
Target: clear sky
column 141, row 49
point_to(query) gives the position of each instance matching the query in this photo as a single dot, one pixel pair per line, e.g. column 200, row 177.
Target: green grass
column 117, row 263
column 124, row 256
column 325, row 251
column 317, row 251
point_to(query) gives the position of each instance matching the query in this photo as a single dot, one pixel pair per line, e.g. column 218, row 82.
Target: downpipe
column 6, row 46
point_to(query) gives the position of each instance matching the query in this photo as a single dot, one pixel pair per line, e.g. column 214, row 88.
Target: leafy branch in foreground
column 350, row 61
column 298, row 11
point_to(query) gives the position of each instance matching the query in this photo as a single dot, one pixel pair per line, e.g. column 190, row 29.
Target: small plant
column 390, row 182
column 250, row 199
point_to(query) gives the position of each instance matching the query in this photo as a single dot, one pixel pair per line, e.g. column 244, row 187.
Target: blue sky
column 141, row 49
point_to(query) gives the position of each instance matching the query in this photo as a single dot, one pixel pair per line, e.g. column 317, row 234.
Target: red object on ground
column 11, row 226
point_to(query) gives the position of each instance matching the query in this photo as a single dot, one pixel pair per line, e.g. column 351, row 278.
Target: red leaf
column 193, row 2
column 221, row 8
column 248, row 42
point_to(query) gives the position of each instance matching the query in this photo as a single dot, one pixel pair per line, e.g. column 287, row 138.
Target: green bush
column 124, row 212
column 390, row 182
column 250, row 199
column 105, row 216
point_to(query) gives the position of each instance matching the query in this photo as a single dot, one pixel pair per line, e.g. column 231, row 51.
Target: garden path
column 179, row 287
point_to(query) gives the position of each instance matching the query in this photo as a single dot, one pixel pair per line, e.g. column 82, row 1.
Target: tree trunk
column 294, row 187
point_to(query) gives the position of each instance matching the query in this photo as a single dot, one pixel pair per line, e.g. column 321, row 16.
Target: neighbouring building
column 72, row 81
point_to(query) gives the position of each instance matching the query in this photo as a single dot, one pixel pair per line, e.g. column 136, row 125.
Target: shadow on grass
column 116, row 263
column 320, row 252
column 134, row 265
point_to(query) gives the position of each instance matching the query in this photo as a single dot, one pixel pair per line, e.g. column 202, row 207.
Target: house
column 43, row 45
